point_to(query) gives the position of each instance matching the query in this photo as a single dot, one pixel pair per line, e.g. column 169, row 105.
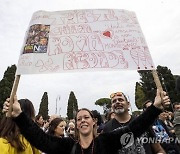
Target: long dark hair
column 53, row 125
column 10, row 131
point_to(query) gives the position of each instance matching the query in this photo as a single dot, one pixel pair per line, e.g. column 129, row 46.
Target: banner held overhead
column 84, row 40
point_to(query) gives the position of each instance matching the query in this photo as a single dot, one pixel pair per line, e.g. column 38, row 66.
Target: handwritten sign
column 84, row 40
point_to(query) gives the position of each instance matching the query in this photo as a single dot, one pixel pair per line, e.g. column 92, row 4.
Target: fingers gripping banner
column 83, row 40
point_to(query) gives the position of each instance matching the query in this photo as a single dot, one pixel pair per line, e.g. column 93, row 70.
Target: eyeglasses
column 116, row 94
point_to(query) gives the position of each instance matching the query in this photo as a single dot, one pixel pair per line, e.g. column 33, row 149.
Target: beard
column 119, row 111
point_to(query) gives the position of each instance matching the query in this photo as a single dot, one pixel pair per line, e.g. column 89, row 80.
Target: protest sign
column 83, row 40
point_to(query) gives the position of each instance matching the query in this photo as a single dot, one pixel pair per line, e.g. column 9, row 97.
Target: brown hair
column 53, row 125
column 10, row 131
column 77, row 131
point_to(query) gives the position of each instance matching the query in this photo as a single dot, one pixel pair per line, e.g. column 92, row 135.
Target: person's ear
column 128, row 104
column 94, row 121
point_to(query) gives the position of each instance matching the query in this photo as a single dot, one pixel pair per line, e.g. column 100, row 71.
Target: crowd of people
column 154, row 131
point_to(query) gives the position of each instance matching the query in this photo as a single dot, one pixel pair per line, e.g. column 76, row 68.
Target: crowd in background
column 166, row 128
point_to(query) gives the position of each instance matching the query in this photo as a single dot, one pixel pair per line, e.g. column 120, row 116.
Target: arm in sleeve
column 116, row 139
column 139, row 125
column 38, row 138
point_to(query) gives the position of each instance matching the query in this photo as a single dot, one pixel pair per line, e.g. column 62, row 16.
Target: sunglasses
column 116, row 94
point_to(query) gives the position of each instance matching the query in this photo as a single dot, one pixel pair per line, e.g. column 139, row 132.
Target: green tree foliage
column 72, row 106
column 6, row 85
column 169, row 83
column 139, row 96
column 105, row 103
column 167, row 80
column 177, row 78
column 148, row 84
column 43, row 109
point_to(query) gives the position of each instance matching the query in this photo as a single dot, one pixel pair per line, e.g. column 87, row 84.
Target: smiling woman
column 87, row 142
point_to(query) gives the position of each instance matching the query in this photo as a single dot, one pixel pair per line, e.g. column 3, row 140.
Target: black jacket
column 106, row 143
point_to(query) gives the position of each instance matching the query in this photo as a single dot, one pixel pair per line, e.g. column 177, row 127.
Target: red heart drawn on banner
column 107, row 33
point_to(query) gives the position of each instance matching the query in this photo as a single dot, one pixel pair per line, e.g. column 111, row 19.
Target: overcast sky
column 160, row 23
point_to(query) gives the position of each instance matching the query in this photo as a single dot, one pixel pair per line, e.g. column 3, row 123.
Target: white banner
column 84, row 40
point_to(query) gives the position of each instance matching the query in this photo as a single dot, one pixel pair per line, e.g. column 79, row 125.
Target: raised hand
column 161, row 100
column 16, row 109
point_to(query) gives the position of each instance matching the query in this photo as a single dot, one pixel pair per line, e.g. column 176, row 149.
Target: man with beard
column 120, row 107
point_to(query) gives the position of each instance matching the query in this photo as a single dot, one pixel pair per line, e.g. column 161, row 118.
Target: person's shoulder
column 29, row 148
column 5, row 147
column 110, row 122
column 108, row 125
column 3, row 141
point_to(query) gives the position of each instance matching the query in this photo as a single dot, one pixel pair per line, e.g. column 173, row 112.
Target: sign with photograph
column 83, row 40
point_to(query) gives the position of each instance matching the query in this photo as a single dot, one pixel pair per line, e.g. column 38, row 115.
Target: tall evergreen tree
column 43, row 109
column 147, row 83
column 139, row 96
column 72, row 106
column 6, row 85
column 167, row 80
column 177, row 78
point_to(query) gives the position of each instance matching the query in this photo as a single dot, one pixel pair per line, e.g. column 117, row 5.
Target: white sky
column 160, row 23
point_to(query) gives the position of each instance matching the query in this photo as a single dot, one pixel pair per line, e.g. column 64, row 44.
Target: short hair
column 97, row 115
column 147, row 101
column 175, row 103
column 71, row 124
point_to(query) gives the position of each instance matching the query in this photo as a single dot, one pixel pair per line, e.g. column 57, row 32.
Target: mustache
column 118, row 105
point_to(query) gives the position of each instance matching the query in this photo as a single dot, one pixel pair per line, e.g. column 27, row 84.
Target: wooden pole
column 156, row 80
column 158, row 84
column 13, row 92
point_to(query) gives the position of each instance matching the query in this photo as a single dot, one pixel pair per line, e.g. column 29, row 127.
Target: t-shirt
column 136, row 148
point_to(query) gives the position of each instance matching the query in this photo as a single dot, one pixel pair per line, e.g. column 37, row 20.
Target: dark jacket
column 106, row 143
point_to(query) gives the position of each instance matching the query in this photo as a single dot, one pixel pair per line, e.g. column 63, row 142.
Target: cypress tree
column 6, row 85
column 72, row 106
column 43, row 109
